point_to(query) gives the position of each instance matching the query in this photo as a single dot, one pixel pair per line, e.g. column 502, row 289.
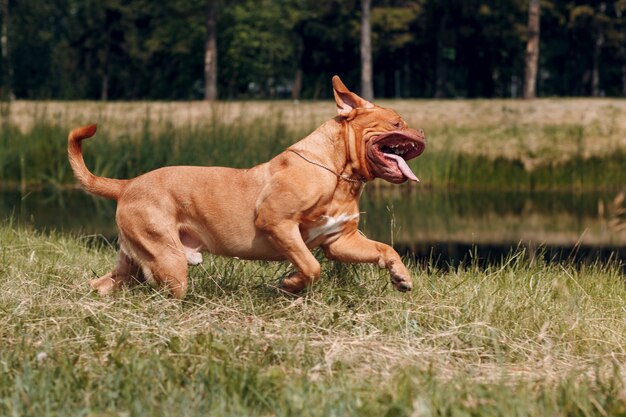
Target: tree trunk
column 7, row 67
column 595, row 71
column 597, row 51
column 532, row 50
column 317, row 89
column 297, row 85
column 622, row 48
column 104, row 86
column 296, row 89
column 624, row 80
column 210, row 52
column 111, row 17
column 367, row 88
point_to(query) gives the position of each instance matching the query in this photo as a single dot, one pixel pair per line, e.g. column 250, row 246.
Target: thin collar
column 343, row 177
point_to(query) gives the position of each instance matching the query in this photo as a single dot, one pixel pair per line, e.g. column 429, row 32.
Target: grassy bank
column 545, row 144
column 519, row 339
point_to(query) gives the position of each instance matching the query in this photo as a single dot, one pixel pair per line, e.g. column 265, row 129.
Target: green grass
column 517, row 339
column 40, row 155
column 502, row 150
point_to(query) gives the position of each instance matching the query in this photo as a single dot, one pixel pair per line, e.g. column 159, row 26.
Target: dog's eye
column 398, row 124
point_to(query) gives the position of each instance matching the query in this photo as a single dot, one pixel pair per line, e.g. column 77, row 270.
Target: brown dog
column 306, row 197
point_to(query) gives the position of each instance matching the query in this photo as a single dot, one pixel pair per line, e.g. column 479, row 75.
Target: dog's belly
column 235, row 243
column 259, row 248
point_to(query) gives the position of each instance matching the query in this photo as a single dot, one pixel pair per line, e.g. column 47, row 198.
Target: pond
column 441, row 226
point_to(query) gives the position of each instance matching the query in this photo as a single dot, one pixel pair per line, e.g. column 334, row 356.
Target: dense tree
column 397, row 39
column 130, row 49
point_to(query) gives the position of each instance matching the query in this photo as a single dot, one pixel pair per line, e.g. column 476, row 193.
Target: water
column 446, row 226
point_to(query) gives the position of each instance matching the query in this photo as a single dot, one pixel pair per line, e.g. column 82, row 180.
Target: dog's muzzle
column 387, row 154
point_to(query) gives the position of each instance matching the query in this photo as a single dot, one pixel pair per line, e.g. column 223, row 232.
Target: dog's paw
column 403, row 286
column 294, row 283
column 104, row 285
column 401, row 280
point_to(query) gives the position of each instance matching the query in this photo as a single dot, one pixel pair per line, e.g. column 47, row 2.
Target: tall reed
column 39, row 157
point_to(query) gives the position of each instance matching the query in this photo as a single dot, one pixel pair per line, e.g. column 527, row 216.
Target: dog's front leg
column 286, row 237
column 355, row 248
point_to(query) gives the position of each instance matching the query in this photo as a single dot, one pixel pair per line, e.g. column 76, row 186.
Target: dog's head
column 379, row 141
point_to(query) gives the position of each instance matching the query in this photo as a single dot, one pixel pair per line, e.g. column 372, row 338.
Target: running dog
column 305, row 197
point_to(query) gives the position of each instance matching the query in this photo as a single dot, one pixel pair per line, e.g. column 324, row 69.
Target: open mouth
column 387, row 154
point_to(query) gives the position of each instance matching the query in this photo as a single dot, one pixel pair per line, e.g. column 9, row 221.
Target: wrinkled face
column 389, row 144
column 385, row 142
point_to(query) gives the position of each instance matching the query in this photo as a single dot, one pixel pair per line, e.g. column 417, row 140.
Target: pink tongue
column 404, row 167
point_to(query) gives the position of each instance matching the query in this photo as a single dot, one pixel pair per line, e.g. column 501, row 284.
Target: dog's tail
column 105, row 187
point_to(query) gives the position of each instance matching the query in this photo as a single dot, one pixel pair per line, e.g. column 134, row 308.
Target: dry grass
column 515, row 339
column 420, row 113
column 546, row 128
column 544, row 144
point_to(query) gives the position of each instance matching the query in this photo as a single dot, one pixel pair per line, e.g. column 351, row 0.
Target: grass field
column 543, row 144
column 519, row 339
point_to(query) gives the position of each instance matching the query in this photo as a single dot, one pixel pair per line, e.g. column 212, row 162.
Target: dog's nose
column 404, row 287
column 420, row 132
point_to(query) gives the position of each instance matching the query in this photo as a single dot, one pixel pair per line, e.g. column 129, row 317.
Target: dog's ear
column 347, row 100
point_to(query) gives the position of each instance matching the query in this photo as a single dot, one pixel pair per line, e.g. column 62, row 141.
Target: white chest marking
column 331, row 226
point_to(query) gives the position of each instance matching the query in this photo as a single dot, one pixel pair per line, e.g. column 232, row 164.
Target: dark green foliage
column 119, row 49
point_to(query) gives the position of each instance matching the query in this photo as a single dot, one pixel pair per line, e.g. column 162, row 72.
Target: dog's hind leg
column 154, row 242
column 126, row 271
column 169, row 270
column 163, row 260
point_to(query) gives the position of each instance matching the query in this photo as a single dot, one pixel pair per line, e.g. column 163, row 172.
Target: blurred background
column 141, row 49
column 522, row 102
